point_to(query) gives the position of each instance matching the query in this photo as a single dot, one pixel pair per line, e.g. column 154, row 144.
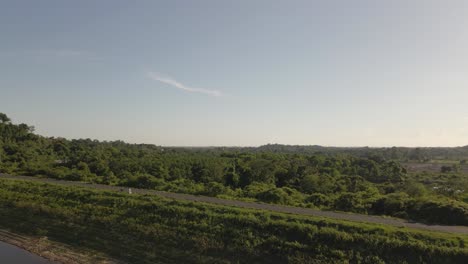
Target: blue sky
column 243, row 73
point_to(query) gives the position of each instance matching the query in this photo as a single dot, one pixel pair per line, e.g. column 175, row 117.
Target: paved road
column 11, row 254
column 261, row 206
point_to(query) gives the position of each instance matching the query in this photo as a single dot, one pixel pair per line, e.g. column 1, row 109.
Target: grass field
column 150, row 229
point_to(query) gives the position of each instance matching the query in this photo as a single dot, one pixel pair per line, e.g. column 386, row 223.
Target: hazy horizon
column 243, row 73
column 243, row 146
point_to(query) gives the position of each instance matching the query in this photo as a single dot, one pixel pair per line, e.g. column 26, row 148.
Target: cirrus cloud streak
column 174, row 83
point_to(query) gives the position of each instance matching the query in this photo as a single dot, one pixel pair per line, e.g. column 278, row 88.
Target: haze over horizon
column 242, row 73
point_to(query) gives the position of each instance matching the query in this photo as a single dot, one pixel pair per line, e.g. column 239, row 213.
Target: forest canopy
column 362, row 180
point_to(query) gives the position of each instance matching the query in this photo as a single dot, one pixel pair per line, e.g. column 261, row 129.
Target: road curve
column 261, row 206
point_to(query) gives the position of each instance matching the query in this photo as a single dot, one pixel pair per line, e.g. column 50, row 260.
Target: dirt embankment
column 54, row 251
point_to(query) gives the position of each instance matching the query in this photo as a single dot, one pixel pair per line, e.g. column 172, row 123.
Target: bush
column 320, row 200
column 214, row 189
column 441, row 211
column 353, row 202
column 254, row 189
column 275, row 195
column 391, row 204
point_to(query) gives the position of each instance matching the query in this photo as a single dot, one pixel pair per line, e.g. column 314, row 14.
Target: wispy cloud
column 167, row 80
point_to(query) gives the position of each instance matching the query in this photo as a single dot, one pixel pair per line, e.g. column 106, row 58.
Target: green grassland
column 150, row 229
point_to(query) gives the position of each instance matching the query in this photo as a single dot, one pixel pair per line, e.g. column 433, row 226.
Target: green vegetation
column 427, row 154
column 368, row 181
column 150, row 229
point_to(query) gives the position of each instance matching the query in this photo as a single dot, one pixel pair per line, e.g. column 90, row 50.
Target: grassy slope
column 149, row 229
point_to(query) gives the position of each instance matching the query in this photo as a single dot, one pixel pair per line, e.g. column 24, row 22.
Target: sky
column 238, row 73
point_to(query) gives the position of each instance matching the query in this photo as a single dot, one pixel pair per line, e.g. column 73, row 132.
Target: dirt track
column 261, row 206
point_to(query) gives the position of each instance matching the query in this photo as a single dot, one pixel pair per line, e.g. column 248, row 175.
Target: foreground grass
column 150, row 229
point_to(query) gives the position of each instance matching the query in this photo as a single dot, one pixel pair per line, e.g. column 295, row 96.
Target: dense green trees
column 393, row 153
column 4, row 118
column 363, row 181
